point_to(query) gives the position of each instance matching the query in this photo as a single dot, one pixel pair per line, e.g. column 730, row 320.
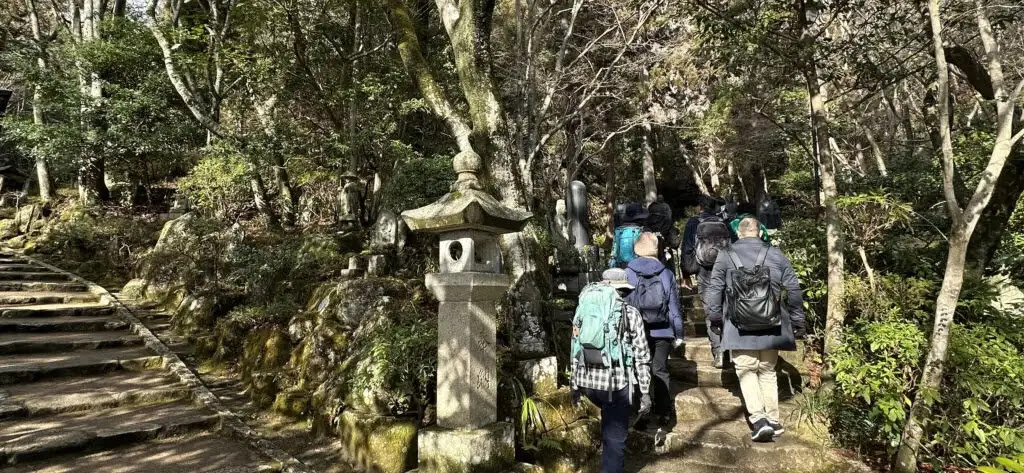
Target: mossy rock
column 264, row 350
column 292, row 402
column 17, row 242
column 135, row 289
column 378, row 443
column 8, row 228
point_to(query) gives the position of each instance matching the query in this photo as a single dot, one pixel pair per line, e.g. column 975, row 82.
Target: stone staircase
column 712, row 434
column 79, row 392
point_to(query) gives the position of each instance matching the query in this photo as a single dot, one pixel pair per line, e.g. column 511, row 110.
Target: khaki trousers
column 758, row 382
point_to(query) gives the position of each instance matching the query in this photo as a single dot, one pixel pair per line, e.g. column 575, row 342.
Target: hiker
column 629, row 220
column 734, row 225
column 745, row 300
column 704, row 236
column 609, row 349
column 659, row 221
column 657, row 298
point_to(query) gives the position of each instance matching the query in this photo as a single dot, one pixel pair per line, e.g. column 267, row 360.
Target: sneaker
column 762, row 432
column 777, row 427
column 719, row 361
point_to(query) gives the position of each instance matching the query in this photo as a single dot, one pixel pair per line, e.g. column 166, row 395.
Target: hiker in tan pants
column 756, row 351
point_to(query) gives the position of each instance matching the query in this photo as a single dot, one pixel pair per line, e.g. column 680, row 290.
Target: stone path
column 79, row 392
column 712, row 434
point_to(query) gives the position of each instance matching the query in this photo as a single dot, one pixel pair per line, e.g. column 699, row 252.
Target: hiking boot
column 777, row 427
column 762, row 431
column 719, row 361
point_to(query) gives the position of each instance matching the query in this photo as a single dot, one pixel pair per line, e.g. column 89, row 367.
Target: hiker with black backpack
column 704, row 237
column 609, row 352
column 754, row 298
column 657, row 298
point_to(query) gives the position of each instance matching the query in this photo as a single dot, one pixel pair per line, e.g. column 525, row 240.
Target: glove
column 645, row 405
column 677, row 343
column 799, row 332
column 576, row 398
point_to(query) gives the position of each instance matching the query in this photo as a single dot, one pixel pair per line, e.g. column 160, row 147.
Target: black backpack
column 754, row 300
column 651, row 298
column 712, row 235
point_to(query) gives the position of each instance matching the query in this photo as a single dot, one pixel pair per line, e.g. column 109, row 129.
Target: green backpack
column 600, row 318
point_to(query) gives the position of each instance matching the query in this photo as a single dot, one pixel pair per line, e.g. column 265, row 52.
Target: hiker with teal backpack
column 609, row 354
column 629, row 224
column 657, row 298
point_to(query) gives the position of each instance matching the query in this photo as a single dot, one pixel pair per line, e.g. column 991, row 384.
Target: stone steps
column 36, row 286
column 57, row 310
column 67, row 341
column 110, row 390
column 32, row 367
column 194, row 453
column 40, row 275
column 14, row 267
column 29, row 297
column 60, row 324
column 80, row 393
column 45, row 436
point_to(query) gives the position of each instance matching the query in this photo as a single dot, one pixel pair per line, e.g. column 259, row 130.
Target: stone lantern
column 470, row 282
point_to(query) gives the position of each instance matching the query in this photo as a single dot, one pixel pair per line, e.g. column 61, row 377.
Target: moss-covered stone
column 292, row 402
column 135, row 289
column 385, row 444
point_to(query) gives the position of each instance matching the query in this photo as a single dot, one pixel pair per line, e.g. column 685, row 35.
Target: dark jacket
column 651, row 266
column 690, row 232
column 782, row 271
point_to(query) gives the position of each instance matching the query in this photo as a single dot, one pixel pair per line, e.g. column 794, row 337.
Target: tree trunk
column 935, row 364
column 867, row 267
column 836, row 315
column 698, row 179
column 817, row 98
column 650, row 181
column 713, row 169
column 876, row 151
column 42, row 170
column 964, row 221
column 259, row 192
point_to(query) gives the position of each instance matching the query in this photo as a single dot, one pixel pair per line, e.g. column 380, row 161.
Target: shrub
column 218, row 185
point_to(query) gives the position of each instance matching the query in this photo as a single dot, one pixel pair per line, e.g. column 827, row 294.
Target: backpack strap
column 734, row 257
column 762, row 256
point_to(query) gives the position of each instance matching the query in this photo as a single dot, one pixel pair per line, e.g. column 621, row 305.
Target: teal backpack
column 600, row 318
column 622, row 248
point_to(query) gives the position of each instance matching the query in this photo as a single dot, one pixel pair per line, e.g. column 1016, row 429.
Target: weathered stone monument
column 578, row 215
column 468, row 437
column 349, row 201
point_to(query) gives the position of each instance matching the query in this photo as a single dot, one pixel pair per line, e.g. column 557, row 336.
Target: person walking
column 609, row 349
column 754, row 297
column 704, row 235
column 657, row 298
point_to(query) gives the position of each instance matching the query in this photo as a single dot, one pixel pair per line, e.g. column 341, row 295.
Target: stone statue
column 388, row 232
column 561, row 219
column 579, row 215
column 349, row 200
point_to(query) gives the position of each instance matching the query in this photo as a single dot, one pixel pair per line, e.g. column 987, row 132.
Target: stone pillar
column 467, row 437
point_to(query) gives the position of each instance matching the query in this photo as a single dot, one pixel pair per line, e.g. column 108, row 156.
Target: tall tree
column 963, row 220
column 40, row 40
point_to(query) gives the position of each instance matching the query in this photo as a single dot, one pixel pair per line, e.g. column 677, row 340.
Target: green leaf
column 1012, row 465
column 990, row 469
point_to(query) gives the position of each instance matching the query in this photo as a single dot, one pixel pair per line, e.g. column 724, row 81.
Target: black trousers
column 660, row 394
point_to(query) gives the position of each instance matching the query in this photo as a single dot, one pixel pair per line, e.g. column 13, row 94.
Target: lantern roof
column 467, row 206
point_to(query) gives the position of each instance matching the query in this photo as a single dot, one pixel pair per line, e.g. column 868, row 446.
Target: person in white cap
column 609, row 354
